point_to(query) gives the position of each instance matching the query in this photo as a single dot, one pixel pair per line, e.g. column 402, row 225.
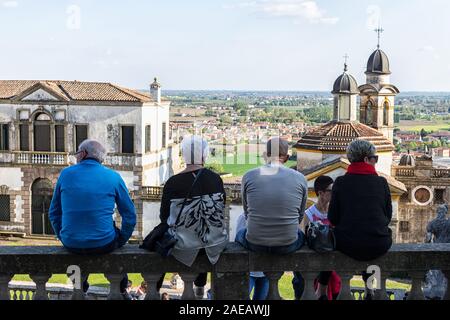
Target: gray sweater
column 274, row 198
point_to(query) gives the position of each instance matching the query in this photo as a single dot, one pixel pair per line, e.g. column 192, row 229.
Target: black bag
column 156, row 234
column 159, row 239
column 320, row 237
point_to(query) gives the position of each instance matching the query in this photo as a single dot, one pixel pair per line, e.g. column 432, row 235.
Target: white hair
column 359, row 149
column 94, row 149
column 195, row 150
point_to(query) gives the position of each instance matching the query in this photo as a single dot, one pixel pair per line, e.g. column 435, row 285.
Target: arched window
column 369, row 113
column 386, row 113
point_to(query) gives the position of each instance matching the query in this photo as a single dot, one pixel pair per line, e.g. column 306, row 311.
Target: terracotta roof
column 337, row 135
column 73, row 90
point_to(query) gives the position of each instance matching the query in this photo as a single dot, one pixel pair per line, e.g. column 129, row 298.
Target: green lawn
column 239, row 166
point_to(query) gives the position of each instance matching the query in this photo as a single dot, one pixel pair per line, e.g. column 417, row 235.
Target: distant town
column 229, row 119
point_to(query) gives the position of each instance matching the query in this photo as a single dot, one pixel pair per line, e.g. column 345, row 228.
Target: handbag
column 155, row 235
column 320, row 237
column 167, row 242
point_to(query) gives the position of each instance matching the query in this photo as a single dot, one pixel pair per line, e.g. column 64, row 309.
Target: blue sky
column 224, row 44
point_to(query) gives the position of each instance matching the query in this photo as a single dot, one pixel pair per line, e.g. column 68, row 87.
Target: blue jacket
column 83, row 205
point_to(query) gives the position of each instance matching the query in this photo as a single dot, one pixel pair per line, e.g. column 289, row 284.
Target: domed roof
column 345, row 84
column 335, row 136
column 407, row 160
column 378, row 63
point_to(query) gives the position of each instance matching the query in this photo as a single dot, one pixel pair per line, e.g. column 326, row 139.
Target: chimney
column 155, row 91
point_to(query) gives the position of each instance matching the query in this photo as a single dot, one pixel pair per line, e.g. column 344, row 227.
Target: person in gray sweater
column 274, row 199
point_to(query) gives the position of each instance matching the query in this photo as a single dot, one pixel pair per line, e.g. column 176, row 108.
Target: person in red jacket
column 328, row 283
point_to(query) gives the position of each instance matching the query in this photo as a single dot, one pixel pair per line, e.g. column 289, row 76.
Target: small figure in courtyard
column 82, row 208
column 165, row 296
column 140, row 292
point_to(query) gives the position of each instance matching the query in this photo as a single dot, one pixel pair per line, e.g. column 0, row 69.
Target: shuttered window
column 5, row 213
column 164, row 134
column 24, row 137
column 148, row 137
column 127, row 139
column 4, row 137
column 59, row 138
column 81, row 134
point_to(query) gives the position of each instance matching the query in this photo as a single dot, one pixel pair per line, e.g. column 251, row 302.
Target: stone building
column 428, row 186
column 43, row 122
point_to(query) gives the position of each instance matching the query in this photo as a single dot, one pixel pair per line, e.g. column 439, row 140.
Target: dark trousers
column 110, row 247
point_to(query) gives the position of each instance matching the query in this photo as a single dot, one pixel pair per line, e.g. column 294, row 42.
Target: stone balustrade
column 229, row 275
column 154, row 193
column 41, row 158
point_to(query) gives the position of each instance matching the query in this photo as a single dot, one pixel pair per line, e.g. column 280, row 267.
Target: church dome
column 378, row 63
column 407, row 160
column 335, row 136
column 345, row 84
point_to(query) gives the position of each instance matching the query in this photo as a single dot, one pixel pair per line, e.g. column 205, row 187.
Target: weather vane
column 379, row 31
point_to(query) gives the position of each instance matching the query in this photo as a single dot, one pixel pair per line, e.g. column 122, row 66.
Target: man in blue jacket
column 83, row 205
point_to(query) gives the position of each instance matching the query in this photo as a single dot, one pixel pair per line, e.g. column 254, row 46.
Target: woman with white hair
column 361, row 207
column 192, row 206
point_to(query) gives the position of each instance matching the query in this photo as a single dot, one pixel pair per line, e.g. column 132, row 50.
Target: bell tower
column 378, row 94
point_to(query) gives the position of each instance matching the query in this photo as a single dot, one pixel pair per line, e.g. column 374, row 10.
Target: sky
column 295, row 45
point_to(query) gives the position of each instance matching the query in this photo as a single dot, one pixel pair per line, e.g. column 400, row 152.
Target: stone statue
column 438, row 231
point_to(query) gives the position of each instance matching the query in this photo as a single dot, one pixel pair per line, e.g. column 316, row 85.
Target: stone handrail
column 154, row 193
column 41, row 158
column 441, row 173
column 229, row 275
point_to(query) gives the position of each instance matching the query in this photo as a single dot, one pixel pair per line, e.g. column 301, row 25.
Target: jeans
column 260, row 285
column 110, row 247
column 297, row 282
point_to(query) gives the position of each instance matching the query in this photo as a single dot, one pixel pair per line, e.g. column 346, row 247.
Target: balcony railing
column 441, row 173
column 155, row 193
column 229, row 275
column 404, row 172
column 41, row 158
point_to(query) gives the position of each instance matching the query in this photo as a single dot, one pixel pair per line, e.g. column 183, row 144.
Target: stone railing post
column 188, row 279
column 346, row 293
column 5, row 278
column 381, row 293
column 230, row 286
column 447, row 292
column 41, row 280
column 309, row 292
column 114, row 286
column 152, row 280
column 416, row 292
column 274, row 277
column 78, row 293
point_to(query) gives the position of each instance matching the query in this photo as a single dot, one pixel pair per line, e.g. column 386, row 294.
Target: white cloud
column 297, row 9
column 10, row 3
